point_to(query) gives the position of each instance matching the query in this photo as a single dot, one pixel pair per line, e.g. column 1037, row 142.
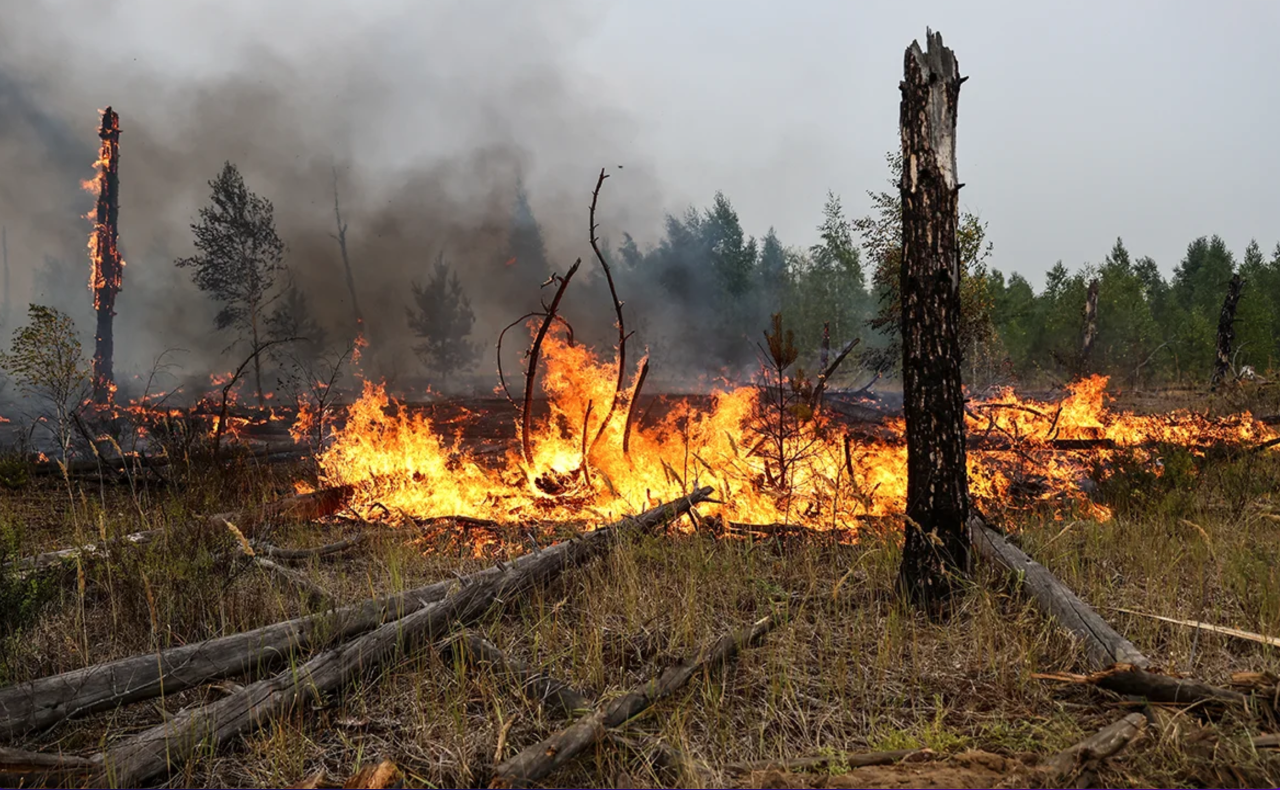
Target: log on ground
column 156, row 752
column 1103, row 644
column 1099, row 746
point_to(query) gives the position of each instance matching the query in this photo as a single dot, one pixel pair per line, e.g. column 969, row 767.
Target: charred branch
column 631, row 406
column 617, row 309
column 531, row 370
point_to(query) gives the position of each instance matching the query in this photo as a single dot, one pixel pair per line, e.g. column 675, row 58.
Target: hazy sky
column 1082, row 121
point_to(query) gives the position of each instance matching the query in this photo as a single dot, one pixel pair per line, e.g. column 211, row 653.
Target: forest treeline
column 701, row 296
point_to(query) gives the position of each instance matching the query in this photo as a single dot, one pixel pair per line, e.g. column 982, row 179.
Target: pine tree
column 441, row 314
column 239, row 255
column 773, row 272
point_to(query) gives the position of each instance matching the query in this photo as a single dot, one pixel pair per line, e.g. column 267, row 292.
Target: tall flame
column 402, row 461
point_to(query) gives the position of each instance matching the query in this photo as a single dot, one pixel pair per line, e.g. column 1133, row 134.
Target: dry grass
column 850, row 670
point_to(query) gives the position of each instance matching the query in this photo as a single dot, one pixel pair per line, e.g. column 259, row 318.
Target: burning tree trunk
column 937, row 542
column 1090, row 325
column 1227, row 330
column 108, row 268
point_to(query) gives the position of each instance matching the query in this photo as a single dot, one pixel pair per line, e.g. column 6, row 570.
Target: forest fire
column 107, row 270
column 1024, row 454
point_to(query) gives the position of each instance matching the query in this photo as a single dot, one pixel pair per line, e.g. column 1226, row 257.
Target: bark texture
column 108, row 268
column 937, row 543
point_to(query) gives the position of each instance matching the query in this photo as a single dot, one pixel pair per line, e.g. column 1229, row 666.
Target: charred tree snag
column 1090, row 325
column 108, row 268
column 341, row 238
column 1227, row 331
column 937, row 542
column 631, row 406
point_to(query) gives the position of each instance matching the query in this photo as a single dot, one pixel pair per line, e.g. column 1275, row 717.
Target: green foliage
column 15, row 473
column 441, row 314
column 21, row 599
column 1160, row 482
column 47, row 360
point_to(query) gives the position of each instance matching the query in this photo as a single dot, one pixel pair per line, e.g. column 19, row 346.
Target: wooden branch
column 1103, row 644
column 531, row 373
column 631, row 406
column 34, row 769
column 617, row 309
column 301, row 555
column 158, row 751
column 502, row 379
column 1097, row 747
column 539, row 760
column 830, row 370
column 316, row 594
column 551, row 693
column 850, row 760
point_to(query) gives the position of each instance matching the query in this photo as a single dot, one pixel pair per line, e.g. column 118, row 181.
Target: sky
column 1081, row 121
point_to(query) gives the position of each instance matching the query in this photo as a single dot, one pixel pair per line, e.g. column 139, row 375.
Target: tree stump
column 937, row 541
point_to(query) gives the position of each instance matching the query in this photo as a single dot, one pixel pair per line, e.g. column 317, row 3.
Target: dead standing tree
column 341, row 238
column 1226, row 331
column 937, row 541
column 108, row 268
column 1090, row 325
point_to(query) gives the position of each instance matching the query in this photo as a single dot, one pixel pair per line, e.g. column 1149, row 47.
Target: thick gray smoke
column 431, row 114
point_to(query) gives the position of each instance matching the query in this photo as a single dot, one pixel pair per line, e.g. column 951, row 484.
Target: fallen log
column 156, row 752
column 301, row 555
column 1155, row 687
column 539, row 760
column 551, row 693
column 1086, row 754
column 34, row 769
column 1103, row 645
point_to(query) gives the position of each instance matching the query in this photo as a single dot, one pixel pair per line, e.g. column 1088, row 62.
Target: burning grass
column 849, row 670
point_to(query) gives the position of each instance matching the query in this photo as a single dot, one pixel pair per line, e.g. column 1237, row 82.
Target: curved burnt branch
column 631, row 407
column 502, row 379
column 531, row 371
column 617, row 308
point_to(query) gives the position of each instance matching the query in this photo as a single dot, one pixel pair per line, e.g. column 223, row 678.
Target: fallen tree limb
column 551, row 693
column 539, row 760
column 316, row 594
column 300, row 555
column 1271, row 741
column 843, row 760
column 156, row 752
column 1097, row 747
column 1129, row 680
column 34, row 769
column 1103, row 644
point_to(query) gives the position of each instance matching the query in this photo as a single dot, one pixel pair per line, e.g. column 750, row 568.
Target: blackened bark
column 107, row 266
column 1227, row 331
column 937, row 540
column 1090, row 325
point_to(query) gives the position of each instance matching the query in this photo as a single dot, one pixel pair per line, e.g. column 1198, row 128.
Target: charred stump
column 108, row 268
column 1090, row 325
column 937, row 541
column 1227, row 331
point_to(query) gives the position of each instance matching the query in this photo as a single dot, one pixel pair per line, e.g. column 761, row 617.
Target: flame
column 825, row 477
column 107, row 267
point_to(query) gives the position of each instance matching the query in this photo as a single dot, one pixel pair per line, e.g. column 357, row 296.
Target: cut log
column 539, row 760
column 551, row 693
column 1099, row 746
column 1103, row 644
column 936, row 551
column 156, row 752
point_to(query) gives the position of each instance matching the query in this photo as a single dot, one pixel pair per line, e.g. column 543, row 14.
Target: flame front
column 403, row 465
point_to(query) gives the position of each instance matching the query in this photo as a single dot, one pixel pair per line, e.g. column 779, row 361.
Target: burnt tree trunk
column 107, row 266
column 1227, row 331
column 1090, row 325
column 937, row 541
